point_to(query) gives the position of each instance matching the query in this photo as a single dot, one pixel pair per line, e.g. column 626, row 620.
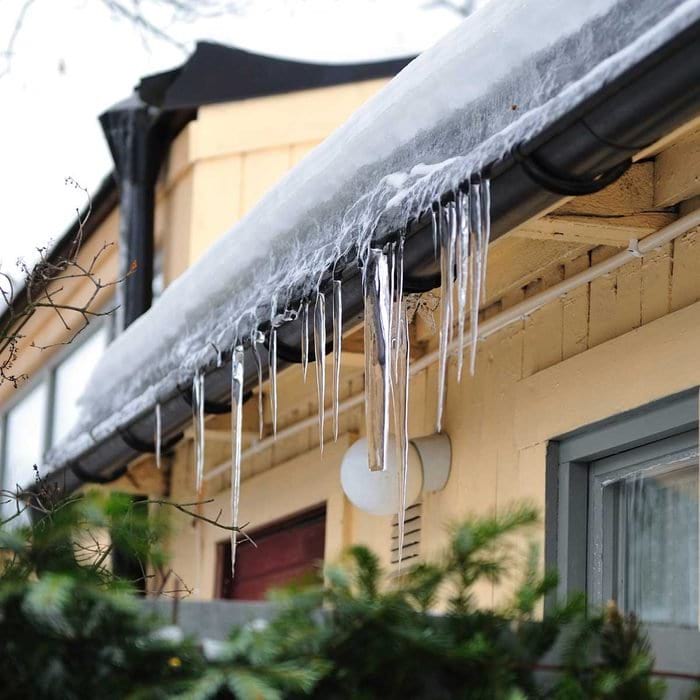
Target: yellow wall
column 225, row 160
column 618, row 343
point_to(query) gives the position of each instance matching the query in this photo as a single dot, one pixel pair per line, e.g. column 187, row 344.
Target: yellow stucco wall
column 225, row 160
column 625, row 340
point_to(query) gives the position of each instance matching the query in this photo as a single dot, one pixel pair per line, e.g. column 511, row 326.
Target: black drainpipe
column 130, row 130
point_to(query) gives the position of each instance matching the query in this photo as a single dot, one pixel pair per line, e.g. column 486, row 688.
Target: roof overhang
column 652, row 95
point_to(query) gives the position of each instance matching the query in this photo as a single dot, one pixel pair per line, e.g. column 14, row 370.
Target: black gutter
column 647, row 102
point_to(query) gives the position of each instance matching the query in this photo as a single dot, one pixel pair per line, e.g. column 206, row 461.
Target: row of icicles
column 461, row 232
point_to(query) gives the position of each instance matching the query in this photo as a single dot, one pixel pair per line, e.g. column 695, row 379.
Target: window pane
column 26, row 430
column 71, row 377
column 657, row 541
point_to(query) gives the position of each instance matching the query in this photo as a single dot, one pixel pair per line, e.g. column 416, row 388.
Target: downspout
column 130, row 130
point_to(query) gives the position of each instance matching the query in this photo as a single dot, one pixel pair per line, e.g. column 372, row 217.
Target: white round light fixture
column 377, row 492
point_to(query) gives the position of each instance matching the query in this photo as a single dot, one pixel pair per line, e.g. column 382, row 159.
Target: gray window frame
column 668, row 453
column 568, row 507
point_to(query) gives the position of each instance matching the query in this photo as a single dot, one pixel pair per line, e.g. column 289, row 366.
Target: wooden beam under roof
column 625, row 210
column 677, row 176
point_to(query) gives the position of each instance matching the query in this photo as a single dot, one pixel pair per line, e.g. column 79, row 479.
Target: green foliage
column 68, row 627
column 608, row 656
column 363, row 636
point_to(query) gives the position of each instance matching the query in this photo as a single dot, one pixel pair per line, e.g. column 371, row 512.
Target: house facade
column 584, row 397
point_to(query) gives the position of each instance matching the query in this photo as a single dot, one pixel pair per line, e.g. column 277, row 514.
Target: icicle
column 392, row 290
column 305, row 338
column 447, row 249
column 476, row 275
column 337, row 349
column 450, row 222
column 272, row 364
column 435, row 219
column 400, row 388
column 396, row 273
column 398, row 267
column 237, row 377
column 377, row 357
column 198, row 418
column 462, row 254
column 320, row 353
column 485, row 228
column 257, row 338
column 197, row 527
column 158, row 436
column 273, row 378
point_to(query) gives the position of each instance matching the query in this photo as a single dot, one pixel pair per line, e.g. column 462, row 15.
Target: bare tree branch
column 9, row 51
column 461, row 7
column 44, row 283
column 152, row 17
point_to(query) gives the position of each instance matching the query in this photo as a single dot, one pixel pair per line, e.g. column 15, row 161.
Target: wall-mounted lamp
column 377, row 492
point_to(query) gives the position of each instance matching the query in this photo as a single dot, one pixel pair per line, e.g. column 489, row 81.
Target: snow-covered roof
column 503, row 76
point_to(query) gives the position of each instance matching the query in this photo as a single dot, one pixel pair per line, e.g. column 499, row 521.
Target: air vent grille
column 412, row 536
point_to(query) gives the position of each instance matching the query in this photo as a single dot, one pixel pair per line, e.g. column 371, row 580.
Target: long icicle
column 447, row 246
column 320, row 354
column 305, row 338
column 462, row 254
column 452, row 232
column 475, row 243
column 396, row 270
column 257, row 339
column 337, row 351
column 401, row 389
column 392, row 290
column 273, row 378
column 485, row 228
column 377, row 357
column 435, row 226
column 237, row 377
column 198, row 418
column 158, row 435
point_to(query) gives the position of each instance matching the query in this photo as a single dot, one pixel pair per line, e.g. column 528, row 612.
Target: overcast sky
column 73, row 59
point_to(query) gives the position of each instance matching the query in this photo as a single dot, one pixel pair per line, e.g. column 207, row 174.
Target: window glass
column 25, row 437
column 644, row 520
column 70, row 380
column 656, row 536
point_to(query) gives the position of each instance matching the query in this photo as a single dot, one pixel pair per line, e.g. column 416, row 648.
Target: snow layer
column 506, row 73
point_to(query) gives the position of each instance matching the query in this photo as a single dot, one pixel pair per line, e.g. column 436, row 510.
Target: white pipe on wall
column 515, row 313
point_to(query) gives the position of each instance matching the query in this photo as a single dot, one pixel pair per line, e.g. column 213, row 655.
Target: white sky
column 73, row 59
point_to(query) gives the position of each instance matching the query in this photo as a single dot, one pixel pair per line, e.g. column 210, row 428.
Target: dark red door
column 287, row 552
